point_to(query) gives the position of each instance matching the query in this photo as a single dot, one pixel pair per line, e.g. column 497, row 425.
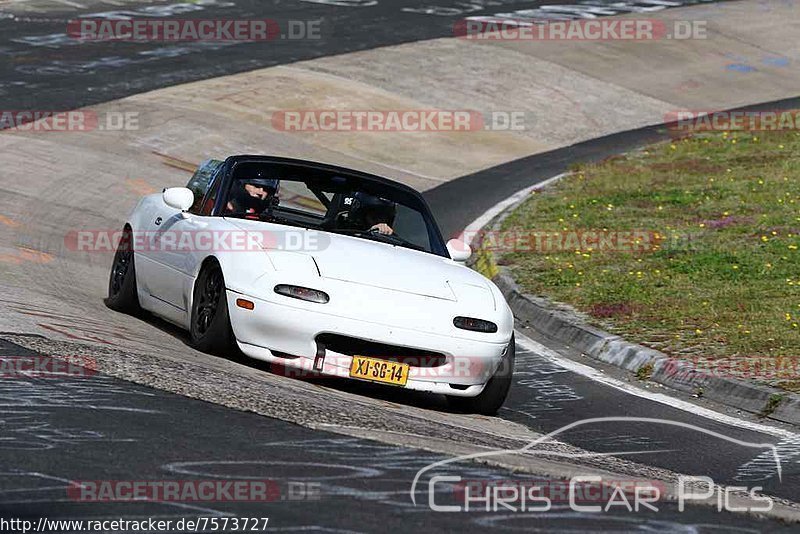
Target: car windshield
column 324, row 200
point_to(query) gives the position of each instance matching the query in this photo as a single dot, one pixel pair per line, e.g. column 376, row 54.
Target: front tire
column 488, row 401
column 122, row 293
column 210, row 323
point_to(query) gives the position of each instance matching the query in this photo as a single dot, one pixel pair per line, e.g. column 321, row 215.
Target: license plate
column 379, row 370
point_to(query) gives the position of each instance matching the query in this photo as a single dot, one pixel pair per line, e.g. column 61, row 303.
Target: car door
column 176, row 245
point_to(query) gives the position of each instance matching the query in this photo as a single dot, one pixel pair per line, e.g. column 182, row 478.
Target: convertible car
column 322, row 269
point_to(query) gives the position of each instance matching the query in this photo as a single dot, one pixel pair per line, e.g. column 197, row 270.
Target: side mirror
column 458, row 250
column 179, row 198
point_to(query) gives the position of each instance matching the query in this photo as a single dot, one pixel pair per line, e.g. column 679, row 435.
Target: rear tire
column 210, row 323
column 122, row 293
column 494, row 394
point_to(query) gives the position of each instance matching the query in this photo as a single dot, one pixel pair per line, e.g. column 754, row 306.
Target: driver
column 254, row 195
column 372, row 213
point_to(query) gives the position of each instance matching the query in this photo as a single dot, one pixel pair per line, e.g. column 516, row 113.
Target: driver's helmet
column 259, row 179
column 243, row 201
column 366, row 210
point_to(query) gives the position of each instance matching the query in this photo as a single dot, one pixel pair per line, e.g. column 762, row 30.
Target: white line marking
column 472, row 228
column 598, row 376
column 594, row 374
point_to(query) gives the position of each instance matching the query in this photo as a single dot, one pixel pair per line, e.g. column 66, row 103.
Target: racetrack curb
column 563, row 325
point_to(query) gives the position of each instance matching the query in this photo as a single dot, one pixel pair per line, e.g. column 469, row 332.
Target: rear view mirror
column 179, row 198
column 459, row 250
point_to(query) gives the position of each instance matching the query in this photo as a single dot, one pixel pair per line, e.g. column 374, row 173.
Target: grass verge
column 689, row 246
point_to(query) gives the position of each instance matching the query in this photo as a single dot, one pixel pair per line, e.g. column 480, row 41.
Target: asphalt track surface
column 545, row 397
column 43, row 66
column 73, row 431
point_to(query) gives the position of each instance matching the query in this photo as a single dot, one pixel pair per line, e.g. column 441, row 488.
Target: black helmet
column 260, row 179
column 242, row 201
column 365, row 209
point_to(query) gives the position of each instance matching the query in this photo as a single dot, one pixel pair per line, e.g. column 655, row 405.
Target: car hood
column 353, row 259
column 371, row 263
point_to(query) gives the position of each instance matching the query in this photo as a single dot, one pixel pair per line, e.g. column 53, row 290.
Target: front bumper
column 287, row 335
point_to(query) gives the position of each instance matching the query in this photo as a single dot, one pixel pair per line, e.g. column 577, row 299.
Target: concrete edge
column 556, row 321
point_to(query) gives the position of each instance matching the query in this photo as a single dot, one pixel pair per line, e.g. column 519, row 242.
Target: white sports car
column 322, row 269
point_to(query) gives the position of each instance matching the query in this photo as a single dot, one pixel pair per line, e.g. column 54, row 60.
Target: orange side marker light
column 246, row 304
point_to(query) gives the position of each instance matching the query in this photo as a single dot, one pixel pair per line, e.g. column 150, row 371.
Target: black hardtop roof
column 233, row 160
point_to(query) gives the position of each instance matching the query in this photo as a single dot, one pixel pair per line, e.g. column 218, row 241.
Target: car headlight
column 476, row 325
column 302, row 293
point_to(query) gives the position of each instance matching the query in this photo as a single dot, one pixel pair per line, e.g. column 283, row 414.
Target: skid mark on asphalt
column 535, row 373
column 678, row 404
column 175, row 162
column 730, row 464
column 9, row 222
column 762, row 467
column 39, row 495
column 30, row 418
column 26, row 255
column 76, row 327
column 139, row 186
